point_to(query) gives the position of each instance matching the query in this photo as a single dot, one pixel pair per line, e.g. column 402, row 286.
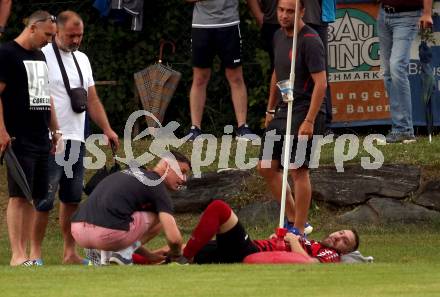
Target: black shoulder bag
column 78, row 96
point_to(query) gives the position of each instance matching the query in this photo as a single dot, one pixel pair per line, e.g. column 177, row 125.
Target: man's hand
column 112, row 138
column 289, row 237
column 57, row 144
column 306, row 129
column 269, row 118
column 5, row 140
column 425, row 21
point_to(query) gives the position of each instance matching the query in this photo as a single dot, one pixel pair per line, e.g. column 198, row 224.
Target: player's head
column 343, row 241
column 286, row 13
column 70, row 30
column 176, row 166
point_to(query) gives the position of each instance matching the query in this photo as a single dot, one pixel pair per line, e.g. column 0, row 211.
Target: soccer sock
column 216, row 214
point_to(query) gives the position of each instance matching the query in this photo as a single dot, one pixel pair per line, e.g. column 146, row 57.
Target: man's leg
column 19, row 217
column 303, row 196
column 44, row 203
column 70, row 196
column 41, row 219
column 238, row 93
column 197, row 95
column 217, row 218
column 70, row 255
column 274, row 180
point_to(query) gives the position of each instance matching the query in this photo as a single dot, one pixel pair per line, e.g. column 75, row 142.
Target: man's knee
column 266, row 169
column 201, row 78
column 235, row 76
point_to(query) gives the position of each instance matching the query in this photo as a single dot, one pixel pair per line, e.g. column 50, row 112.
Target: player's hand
column 268, row 119
column 306, row 129
column 57, row 144
column 290, row 237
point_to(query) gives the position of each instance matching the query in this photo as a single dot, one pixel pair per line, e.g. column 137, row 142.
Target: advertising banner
column 356, row 81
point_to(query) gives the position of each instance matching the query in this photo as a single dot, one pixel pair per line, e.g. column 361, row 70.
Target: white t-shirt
column 71, row 123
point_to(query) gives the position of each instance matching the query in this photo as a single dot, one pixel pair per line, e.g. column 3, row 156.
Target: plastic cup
column 286, row 90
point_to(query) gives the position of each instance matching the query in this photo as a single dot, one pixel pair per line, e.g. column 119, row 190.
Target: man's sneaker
column 194, row 132
column 308, row 228
column 245, row 133
column 38, row 262
column 396, row 137
column 117, row 258
column 94, row 256
column 290, row 228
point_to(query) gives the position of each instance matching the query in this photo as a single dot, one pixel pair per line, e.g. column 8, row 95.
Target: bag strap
column 63, row 70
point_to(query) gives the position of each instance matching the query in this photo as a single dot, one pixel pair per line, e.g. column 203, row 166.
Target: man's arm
column 296, row 247
column 5, row 139
column 53, row 126
column 271, row 102
column 254, row 6
column 97, row 114
column 426, row 18
column 172, row 234
column 5, row 11
column 320, row 80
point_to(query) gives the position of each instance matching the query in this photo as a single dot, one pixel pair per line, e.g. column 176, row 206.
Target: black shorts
column 225, row 42
column 272, row 143
column 35, row 167
column 230, row 247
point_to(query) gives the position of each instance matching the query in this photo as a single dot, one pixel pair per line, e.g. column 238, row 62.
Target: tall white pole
column 287, row 142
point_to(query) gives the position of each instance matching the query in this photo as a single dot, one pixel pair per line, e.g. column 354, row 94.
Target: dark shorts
column 67, row 179
column 225, row 42
column 273, row 138
column 35, row 168
column 230, row 247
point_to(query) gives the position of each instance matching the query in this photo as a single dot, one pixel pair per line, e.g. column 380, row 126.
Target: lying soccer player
column 233, row 244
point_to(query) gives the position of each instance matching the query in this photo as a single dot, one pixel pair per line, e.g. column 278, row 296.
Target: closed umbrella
column 16, row 172
column 156, row 85
column 428, row 82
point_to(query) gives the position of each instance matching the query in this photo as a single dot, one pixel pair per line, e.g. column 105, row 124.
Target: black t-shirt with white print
column 119, row 195
column 26, row 97
column 310, row 59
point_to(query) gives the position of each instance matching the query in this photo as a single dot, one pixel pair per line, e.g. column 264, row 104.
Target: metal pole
column 286, row 161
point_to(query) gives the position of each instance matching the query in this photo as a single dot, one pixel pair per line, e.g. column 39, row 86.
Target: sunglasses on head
column 52, row 18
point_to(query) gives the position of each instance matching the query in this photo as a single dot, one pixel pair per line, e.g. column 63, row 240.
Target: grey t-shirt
column 313, row 12
column 310, row 59
column 269, row 8
column 215, row 14
column 119, row 195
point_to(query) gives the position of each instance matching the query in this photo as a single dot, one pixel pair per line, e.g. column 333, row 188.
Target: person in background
column 216, row 31
column 397, row 26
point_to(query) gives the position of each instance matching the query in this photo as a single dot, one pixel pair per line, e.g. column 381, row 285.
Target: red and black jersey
column 268, row 245
column 316, row 250
column 313, row 248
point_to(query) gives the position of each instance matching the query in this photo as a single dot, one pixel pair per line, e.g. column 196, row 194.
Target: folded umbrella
column 428, row 83
column 156, row 85
column 16, row 172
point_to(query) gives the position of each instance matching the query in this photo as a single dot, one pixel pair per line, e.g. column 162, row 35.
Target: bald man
column 26, row 114
column 68, row 184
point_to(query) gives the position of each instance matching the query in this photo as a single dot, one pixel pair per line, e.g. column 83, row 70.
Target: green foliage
column 116, row 53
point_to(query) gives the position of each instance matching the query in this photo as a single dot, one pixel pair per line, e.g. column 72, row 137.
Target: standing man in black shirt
column 26, row 114
column 308, row 112
column 130, row 207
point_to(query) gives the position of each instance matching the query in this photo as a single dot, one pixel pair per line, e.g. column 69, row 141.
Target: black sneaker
column 245, row 133
column 194, row 131
column 117, row 258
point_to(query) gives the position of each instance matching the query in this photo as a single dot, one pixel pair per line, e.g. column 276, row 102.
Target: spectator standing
column 216, row 31
column 397, row 25
column 27, row 114
column 72, row 124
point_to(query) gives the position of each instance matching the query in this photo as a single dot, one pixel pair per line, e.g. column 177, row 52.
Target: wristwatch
column 57, row 132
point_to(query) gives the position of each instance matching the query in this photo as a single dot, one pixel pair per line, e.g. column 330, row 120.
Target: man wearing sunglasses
column 67, row 178
column 26, row 114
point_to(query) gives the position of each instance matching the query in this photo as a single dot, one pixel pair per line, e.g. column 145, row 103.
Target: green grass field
column 406, row 258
